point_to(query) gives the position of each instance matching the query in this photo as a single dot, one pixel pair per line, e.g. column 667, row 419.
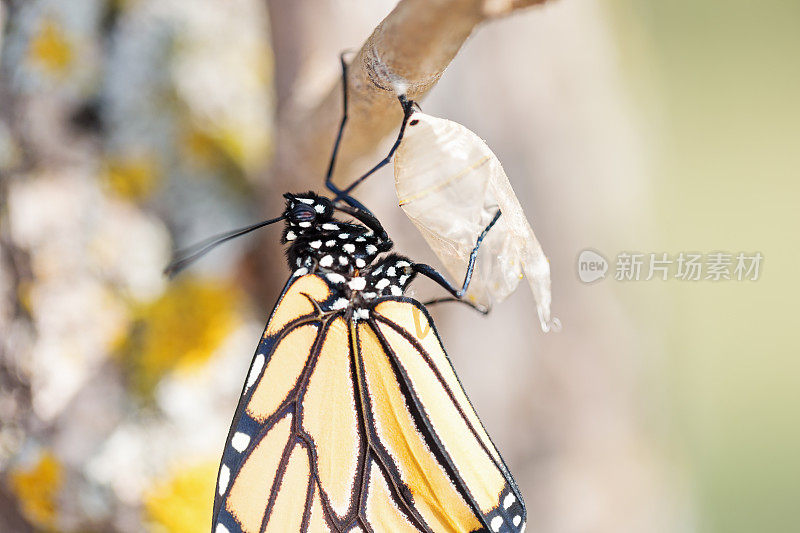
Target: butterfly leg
column 457, row 294
column 332, row 164
column 344, row 194
column 479, row 308
column 369, row 220
column 408, row 110
column 329, row 175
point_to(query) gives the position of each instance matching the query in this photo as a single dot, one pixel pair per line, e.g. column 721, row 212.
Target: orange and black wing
column 359, row 426
column 443, row 459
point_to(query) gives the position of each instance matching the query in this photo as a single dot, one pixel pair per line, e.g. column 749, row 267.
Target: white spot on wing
column 330, row 243
column 342, row 260
column 304, row 224
column 360, row 263
column 349, row 248
column 344, row 235
column 300, row 272
column 329, row 226
column 221, row 529
column 319, row 208
column 391, row 271
column 308, row 201
column 371, row 249
column 517, row 520
column 316, row 244
column 255, row 371
column 382, row 284
column 362, row 314
column 224, row 478
column 396, row 291
column 290, row 236
column 496, row 523
column 326, row 261
column 508, row 501
column 239, row 441
column 403, row 264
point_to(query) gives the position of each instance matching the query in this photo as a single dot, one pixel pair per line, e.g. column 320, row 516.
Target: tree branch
column 410, row 48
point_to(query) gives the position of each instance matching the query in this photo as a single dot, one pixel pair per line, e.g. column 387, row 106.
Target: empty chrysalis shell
column 450, row 184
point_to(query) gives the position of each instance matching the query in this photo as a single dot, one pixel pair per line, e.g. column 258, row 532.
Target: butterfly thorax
column 345, row 253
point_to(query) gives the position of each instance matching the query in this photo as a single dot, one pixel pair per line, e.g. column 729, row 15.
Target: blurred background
column 131, row 127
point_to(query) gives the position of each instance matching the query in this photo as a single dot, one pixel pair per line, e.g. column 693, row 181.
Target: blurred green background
column 131, row 127
column 720, row 81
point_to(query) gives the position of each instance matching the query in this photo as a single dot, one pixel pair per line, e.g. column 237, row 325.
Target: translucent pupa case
column 450, row 185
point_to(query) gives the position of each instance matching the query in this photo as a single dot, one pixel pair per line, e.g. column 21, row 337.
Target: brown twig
column 411, row 48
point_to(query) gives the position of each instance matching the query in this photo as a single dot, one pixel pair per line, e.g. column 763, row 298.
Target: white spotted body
column 346, row 254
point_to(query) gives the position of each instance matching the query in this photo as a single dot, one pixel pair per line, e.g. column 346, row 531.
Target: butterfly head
column 307, row 209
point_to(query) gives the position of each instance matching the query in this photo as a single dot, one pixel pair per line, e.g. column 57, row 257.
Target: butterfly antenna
column 189, row 255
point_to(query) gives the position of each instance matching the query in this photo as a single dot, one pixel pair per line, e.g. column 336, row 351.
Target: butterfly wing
column 358, row 426
column 426, row 430
column 266, row 466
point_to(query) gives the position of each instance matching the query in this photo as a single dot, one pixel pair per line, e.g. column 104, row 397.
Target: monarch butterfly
column 351, row 418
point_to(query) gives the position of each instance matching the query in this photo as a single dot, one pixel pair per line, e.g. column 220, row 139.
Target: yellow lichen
column 182, row 502
column 132, row 177
column 200, row 148
column 225, row 149
column 179, row 330
column 51, row 49
column 36, row 488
